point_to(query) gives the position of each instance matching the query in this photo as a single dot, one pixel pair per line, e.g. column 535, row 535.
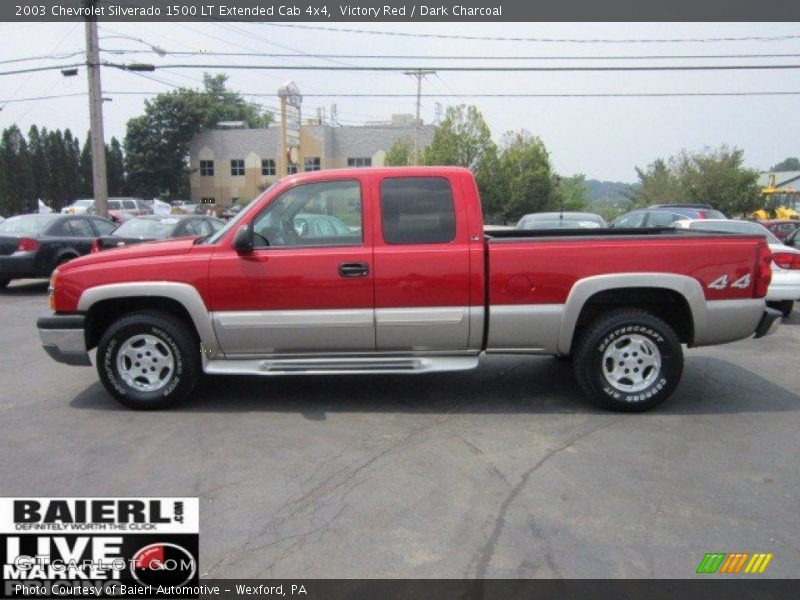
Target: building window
column 268, row 167
column 237, row 167
column 292, row 168
column 206, row 168
column 311, row 163
column 359, row 162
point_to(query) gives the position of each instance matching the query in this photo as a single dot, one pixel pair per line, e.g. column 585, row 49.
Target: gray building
column 236, row 162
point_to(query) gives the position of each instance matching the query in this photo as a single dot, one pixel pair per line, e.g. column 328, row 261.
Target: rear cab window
column 417, row 210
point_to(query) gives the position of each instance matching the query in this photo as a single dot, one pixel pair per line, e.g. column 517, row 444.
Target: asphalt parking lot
column 501, row 472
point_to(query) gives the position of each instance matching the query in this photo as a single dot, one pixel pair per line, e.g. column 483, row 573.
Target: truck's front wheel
column 628, row 360
column 148, row 360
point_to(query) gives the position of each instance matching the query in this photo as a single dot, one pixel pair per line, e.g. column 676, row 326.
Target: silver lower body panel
column 346, row 365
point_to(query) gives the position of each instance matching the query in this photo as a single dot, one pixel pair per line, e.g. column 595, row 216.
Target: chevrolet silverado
column 388, row 270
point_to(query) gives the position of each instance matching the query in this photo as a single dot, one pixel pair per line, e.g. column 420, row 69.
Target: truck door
column 422, row 264
column 308, row 285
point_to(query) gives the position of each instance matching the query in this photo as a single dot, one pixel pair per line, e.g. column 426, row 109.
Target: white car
column 785, row 286
column 79, row 207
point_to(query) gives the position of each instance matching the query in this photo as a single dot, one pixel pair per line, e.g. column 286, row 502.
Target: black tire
column 594, row 355
column 172, row 338
column 784, row 306
column 4, row 283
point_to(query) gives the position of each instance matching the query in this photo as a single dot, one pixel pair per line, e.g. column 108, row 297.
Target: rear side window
column 417, row 210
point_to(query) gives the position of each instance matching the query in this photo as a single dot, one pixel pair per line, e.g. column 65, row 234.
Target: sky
column 603, row 138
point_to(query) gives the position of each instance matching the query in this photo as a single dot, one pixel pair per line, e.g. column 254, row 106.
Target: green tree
column 462, row 139
column 72, row 166
column 19, row 186
column 788, row 164
column 525, row 167
column 157, row 142
column 713, row 176
column 571, row 193
column 39, row 162
column 115, row 168
column 399, row 154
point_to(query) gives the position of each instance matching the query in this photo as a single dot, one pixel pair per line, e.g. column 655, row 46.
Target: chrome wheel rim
column 145, row 363
column 631, row 363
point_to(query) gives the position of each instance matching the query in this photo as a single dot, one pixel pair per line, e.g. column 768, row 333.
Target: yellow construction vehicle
column 779, row 202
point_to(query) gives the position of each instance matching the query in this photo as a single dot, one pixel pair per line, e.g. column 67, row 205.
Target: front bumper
column 769, row 323
column 63, row 338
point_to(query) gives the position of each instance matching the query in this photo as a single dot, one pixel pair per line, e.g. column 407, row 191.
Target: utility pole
column 420, row 74
column 96, row 118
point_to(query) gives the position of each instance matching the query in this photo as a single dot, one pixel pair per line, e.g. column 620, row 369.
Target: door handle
column 353, row 269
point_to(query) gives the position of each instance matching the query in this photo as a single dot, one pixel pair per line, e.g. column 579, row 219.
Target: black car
column 663, row 215
column 150, row 228
column 32, row 246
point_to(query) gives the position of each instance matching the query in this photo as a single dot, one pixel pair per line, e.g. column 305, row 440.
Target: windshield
column 83, row 203
column 736, row 227
column 158, row 229
column 234, row 220
column 26, row 224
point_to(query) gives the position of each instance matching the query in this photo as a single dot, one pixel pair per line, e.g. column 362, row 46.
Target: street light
column 157, row 49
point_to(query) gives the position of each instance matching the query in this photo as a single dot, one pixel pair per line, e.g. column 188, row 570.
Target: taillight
column 763, row 272
column 27, row 245
column 786, row 260
column 95, row 246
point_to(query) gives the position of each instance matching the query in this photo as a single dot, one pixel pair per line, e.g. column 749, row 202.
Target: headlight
column 51, row 290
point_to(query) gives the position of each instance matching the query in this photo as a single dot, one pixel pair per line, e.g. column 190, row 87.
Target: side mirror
column 243, row 240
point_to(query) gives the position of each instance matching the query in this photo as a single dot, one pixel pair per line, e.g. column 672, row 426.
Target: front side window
column 268, row 167
column 206, row 168
column 311, row 164
column 314, row 214
column 417, row 210
column 237, row 167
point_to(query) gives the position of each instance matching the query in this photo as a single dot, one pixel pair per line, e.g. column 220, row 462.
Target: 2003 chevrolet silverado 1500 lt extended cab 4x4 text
column 389, row 271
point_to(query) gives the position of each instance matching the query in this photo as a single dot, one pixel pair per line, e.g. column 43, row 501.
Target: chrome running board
column 339, row 366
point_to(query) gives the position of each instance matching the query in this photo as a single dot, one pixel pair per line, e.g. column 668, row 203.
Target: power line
column 453, row 95
column 772, row 38
column 515, row 57
column 471, row 68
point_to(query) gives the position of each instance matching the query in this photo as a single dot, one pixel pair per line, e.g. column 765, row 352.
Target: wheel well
column 102, row 314
column 668, row 305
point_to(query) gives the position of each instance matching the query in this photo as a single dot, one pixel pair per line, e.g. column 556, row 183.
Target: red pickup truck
column 389, row 271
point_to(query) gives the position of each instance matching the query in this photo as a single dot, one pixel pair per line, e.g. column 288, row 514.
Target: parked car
column 561, row 220
column 153, row 227
column 188, row 208
column 33, row 245
column 664, row 215
column 785, row 286
column 781, row 228
column 320, row 226
column 232, row 209
column 416, row 287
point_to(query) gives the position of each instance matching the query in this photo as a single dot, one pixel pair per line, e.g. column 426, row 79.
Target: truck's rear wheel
column 148, row 360
column 628, row 360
